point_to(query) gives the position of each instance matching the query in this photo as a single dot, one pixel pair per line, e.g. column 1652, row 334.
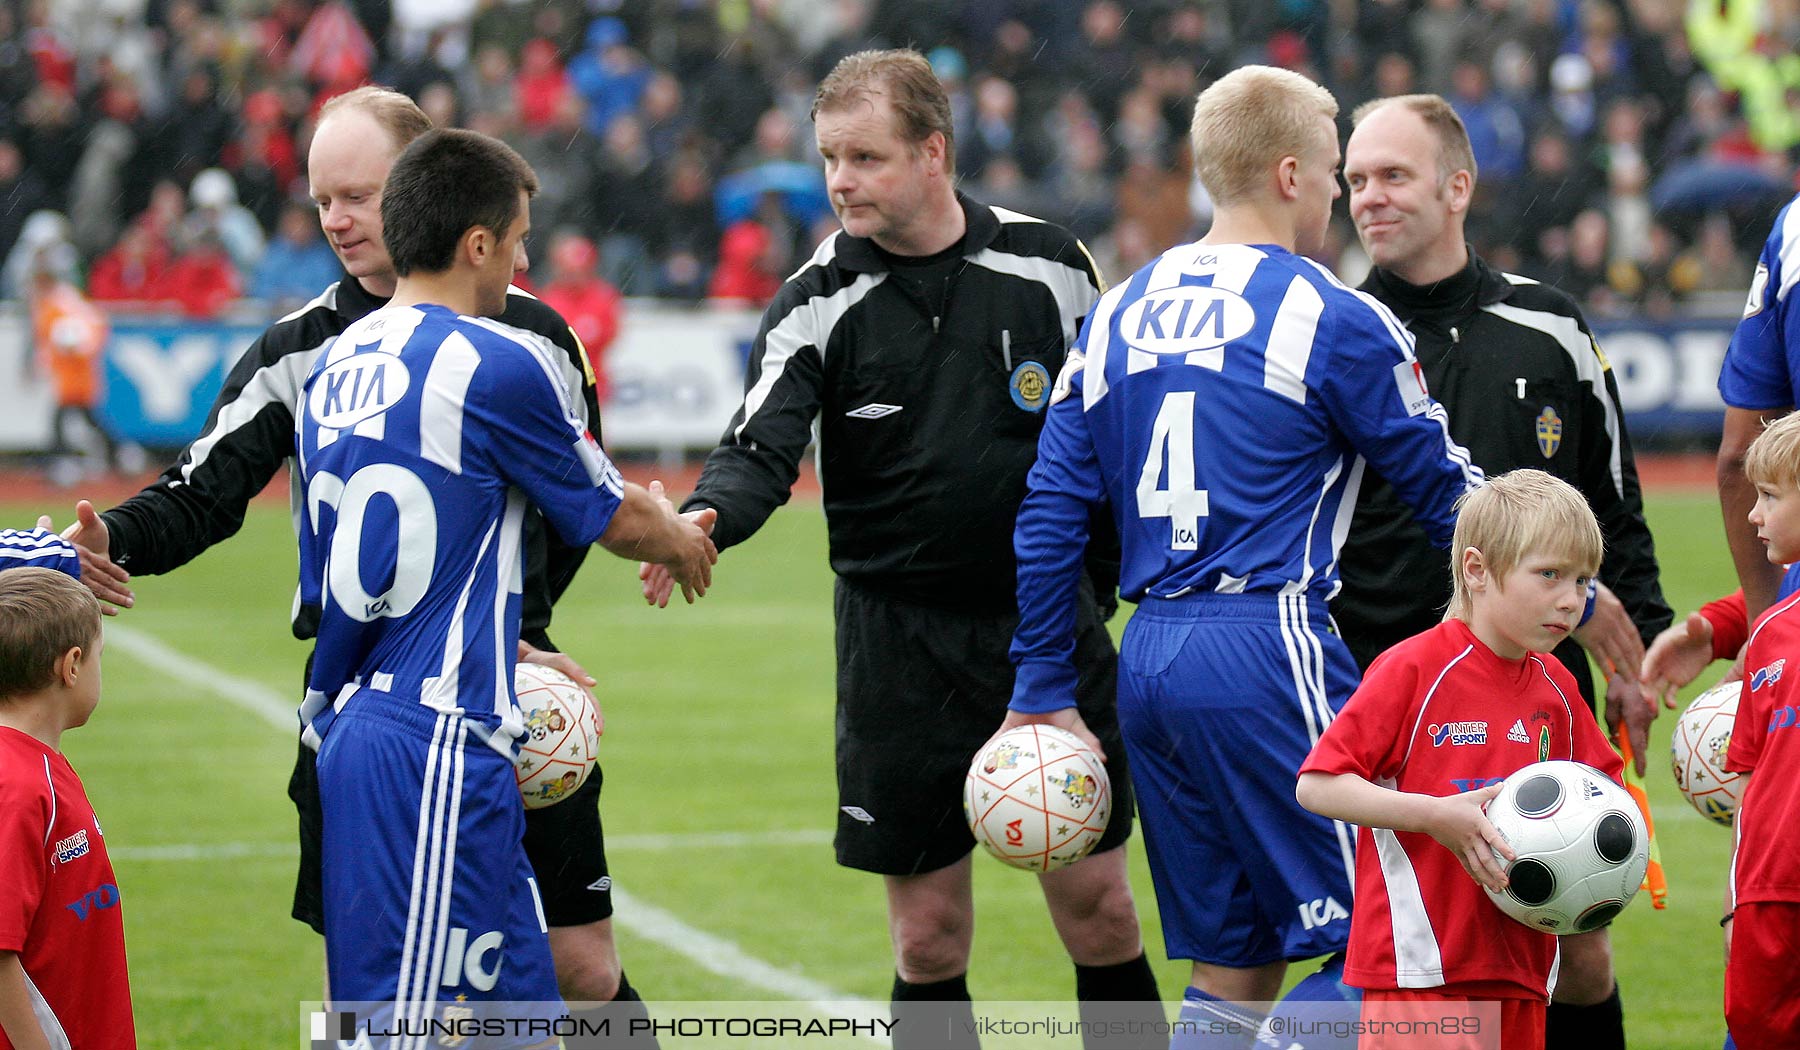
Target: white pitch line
column 709, row 951
column 193, row 851
column 655, row 843
column 279, row 711
column 724, row 958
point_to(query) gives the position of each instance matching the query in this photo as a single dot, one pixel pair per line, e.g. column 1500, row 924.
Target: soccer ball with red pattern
column 1037, row 797
column 1697, row 748
column 1581, row 842
column 562, row 735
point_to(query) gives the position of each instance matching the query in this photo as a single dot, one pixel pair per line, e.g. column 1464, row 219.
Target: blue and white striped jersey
column 423, row 438
column 1223, row 401
column 39, row 548
column 1762, row 364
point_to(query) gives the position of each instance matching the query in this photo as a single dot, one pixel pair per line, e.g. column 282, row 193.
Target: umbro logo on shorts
column 873, row 410
column 601, row 884
column 858, row 813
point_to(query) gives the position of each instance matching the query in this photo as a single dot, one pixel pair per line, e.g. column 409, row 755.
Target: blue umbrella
column 1706, row 185
column 801, row 186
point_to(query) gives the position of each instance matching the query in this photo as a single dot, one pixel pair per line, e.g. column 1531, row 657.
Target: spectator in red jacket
column 755, row 255
column 540, row 85
column 586, row 301
column 135, row 270
column 203, row 281
column 743, row 271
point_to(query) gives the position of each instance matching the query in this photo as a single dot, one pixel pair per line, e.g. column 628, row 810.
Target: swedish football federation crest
column 1030, row 386
column 1549, row 431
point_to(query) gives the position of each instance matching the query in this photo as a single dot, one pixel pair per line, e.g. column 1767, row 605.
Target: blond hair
column 1454, row 152
column 43, row 614
column 920, row 104
column 1774, row 457
column 1517, row 515
column 397, row 114
column 1247, row 121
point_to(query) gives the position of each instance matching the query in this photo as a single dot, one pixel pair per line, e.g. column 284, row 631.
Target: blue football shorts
column 1221, row 697
column 428, row 896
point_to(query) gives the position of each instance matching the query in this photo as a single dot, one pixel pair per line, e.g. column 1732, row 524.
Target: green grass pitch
column 718, row 803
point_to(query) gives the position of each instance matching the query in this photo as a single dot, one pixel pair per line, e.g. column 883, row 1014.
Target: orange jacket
column 71, row 335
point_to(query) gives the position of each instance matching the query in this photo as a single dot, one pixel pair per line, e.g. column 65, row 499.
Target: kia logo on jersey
column 1182, row 320
column 356, row 388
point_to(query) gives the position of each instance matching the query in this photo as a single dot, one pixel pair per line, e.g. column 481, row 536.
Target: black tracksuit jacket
column 1525, row 385
column 927, row 413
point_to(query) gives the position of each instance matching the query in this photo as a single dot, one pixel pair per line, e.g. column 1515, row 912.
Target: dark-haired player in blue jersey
column 426, row 431
column 1223, row 401
column 1759, row 381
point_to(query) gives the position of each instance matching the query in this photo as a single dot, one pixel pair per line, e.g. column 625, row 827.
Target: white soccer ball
column 562, row 735
column 1697, row 750
column 1582, row 847
column 1037, row 797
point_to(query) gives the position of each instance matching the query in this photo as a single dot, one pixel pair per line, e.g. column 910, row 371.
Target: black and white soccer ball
column 1581, row 842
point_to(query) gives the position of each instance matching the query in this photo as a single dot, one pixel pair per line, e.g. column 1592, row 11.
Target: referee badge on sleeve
column 1030, row 386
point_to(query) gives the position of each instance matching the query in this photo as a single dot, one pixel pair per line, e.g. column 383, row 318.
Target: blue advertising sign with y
column 162, row 376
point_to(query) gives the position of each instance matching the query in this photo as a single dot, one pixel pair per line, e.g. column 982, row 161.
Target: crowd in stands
column 166, row 138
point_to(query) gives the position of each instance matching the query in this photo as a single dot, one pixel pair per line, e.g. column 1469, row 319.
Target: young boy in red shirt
column 1422, row 744
column 62, row 939
column 1762, row 914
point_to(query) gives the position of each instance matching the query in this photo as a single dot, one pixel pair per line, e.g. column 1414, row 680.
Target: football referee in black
column 924, row 339
column 249, row 434
column 1525, row 385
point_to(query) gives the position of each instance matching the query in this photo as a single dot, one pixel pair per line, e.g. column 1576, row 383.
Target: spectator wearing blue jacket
column 297, row 262
column 609, row 74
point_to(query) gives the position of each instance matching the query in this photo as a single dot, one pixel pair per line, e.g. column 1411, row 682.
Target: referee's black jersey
column 249, row 434
column 1525, row 385
column 926, row 408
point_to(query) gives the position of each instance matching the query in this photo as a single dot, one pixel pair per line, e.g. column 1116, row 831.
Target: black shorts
column 563, row 842
column 919, row 690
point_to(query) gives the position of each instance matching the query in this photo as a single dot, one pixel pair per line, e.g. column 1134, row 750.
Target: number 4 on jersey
column 1172, row 439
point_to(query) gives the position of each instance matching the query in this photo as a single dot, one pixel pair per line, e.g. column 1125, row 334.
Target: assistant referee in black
column 1525, row 385
column 924, row 339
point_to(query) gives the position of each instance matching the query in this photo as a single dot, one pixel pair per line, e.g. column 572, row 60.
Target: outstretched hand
column 1676, row 657
column 693, row 570
column 99, row 573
